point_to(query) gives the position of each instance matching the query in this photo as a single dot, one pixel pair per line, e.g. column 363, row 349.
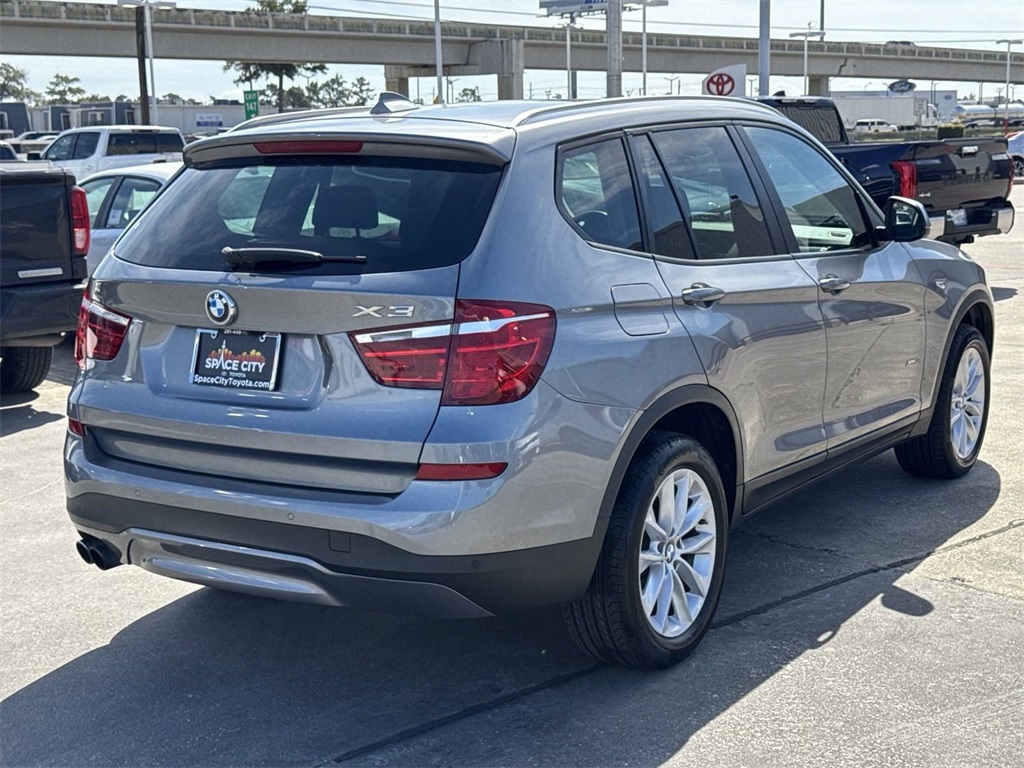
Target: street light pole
column 643, row 34
column 807, row 36
column 438, row 63
column 613, row 81
column 568, row 56
column 1006, row 115
column 146, row 7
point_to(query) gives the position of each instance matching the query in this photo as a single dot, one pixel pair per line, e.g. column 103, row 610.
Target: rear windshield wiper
column 240, row 257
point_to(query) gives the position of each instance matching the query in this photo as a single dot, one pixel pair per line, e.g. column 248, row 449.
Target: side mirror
column 905, row 220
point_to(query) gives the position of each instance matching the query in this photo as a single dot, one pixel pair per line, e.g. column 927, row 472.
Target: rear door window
column 399, row 213
column 95, row 193
column 85, row 147
column 130, row 199
column 716, row 193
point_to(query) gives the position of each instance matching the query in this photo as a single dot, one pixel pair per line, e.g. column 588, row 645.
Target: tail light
column 906, row 177
column 493, row 352
column 101, row 332
column 80, row 220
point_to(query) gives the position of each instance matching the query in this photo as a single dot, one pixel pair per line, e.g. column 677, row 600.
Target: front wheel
column 660, row 574
column 951, row 446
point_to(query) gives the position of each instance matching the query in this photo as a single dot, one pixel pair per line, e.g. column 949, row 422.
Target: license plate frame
column 248, row 360
column 958, row 216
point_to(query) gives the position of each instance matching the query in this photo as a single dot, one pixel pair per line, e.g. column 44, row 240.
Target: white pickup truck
column 85, row 151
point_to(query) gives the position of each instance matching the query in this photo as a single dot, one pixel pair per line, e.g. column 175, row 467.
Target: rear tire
column 951, row 446
column 24, row 368
column 660, row 573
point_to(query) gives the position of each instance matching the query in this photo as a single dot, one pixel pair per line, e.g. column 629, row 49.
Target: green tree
column 469, row 94
column 249, row 71
column 361, row 92
column 93, row 98
column 64, row 89
column 14, row 84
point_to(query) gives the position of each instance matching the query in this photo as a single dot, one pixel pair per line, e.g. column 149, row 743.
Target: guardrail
column 253, row 21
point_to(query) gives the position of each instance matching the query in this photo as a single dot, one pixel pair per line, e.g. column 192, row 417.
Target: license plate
column 236, row 359
column 958, row 216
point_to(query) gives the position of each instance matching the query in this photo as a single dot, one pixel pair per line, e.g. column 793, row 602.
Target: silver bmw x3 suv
column 458, row 361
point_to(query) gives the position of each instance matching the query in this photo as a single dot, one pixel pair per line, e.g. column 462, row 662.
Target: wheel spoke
column 694, row 514
column 664, row 603
column 650, row 592
column 679, row 600
column 690, row 577
column 654, row 531
column 682, row 491
column 667, row 507
column 701, row 542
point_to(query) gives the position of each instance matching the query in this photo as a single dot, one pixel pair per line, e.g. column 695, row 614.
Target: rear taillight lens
column 493, row 352
column 80, row 220
column 101, row 332
column 906, row 178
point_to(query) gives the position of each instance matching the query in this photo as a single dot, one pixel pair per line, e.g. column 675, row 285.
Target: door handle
column 833, row 284
column 702, row 295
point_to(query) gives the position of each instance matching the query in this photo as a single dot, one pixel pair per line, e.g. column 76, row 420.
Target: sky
column 952, row 23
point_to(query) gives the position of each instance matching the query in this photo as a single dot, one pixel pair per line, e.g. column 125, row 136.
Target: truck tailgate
column 962, row 173
column 36, row 215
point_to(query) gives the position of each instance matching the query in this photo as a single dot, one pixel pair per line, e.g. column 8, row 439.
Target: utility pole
column 614, row 81
column 437, row 50
column 140, row 47
column 764, row 49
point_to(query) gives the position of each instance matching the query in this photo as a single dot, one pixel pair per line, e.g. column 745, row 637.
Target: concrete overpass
column 406, row 48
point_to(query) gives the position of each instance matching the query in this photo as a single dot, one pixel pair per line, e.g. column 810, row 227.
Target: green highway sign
column 252, row 104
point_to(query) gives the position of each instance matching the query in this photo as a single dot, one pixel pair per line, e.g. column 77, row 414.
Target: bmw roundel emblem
column 220, row 307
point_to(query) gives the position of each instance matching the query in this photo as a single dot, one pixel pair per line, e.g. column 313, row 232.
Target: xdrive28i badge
column 220, row 307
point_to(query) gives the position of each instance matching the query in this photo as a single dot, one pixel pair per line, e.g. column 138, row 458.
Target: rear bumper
column 40, row 312
column 980, row 222
column 332, row 568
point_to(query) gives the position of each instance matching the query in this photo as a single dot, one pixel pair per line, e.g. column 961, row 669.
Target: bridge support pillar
column 818, row 85
column 396, row 79
column 504, row 57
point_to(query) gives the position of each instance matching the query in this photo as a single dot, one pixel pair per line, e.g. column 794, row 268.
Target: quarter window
column 95, row 192
column 131, row 197
column 820, row 204
column 716, row 193
column 596, row 192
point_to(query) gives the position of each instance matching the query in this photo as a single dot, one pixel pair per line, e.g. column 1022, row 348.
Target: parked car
column 116, row 197
column 962, row 183
column 44, row 235
column 31, row 142
column 873, row 125
column 7, row 153
column 85, row 151
column 1015, row 148
column 470, row 359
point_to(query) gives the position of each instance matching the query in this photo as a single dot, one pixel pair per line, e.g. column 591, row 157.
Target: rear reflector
column 100, row 333
column 494, row 352
column 906, row 178
column 80, row 220
column 316, row 147
column 460, row 471
column 76, row 427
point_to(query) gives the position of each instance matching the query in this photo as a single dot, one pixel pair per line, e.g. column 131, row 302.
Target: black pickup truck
column 44, row 236
column 962, row 183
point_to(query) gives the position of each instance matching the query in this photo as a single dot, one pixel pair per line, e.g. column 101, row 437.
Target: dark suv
column 465, row 360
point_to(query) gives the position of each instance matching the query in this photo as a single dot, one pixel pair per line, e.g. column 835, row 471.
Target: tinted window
column 820, row 204
column 713, row 186
column 143, row 143
column 85, row 147
column 671, row 237
column 596, row 192
column 6, row 153
column 400, row 213
column 95, row 192
column 131, row 197
column 822, row 122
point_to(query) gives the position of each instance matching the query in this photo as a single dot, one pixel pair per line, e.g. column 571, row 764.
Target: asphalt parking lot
column 872, row 620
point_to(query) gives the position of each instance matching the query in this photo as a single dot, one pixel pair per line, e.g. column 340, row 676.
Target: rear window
column 399, row 213
column 823, row 123
column 143, row 143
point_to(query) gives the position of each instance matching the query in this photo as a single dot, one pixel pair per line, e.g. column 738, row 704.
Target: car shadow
column 217, row 679
column 17, row 413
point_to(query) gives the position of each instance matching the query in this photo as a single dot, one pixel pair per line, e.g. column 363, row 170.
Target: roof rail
column 535, row 115
column 389, row 102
